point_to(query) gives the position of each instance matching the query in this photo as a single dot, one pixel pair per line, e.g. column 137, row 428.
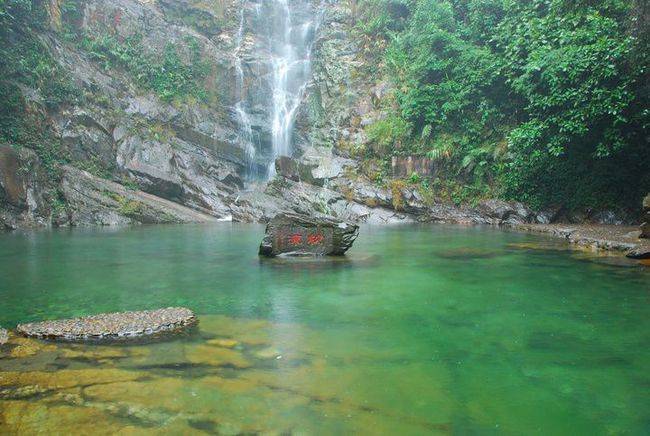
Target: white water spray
column 282, row 32
column 290, row 40
column 243, row 119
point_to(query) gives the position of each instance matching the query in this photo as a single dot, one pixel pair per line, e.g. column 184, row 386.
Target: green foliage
column 208, row 18
column 387, row 134
column 96, row 167
column 543, row 100
column 166, row 75
column 380, row 17
column 131, row 208
column 414, row 178
column 26, row 63
column 71, row 18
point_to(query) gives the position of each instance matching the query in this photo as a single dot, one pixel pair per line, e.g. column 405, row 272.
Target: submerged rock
column 223, row 343
column 112, row 325
column 640, row 253
column 467, row 253
column 300, row 235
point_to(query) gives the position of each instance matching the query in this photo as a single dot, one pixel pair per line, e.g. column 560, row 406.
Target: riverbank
column 623, row 239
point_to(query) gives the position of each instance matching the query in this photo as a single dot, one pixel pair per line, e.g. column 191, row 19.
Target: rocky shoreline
column 621, row 239
column 4, row 336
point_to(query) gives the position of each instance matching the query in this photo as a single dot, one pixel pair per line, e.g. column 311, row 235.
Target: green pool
column 420, row 330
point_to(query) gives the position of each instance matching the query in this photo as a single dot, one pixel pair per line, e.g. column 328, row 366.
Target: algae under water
column 420, row 330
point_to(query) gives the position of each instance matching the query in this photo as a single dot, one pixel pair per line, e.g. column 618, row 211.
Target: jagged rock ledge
column 112, row 326
column 4, row 336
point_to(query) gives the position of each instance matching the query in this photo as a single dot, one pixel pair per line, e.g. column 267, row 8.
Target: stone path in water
column 111, row 325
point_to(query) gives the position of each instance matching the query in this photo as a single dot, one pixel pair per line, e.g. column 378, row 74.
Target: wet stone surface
column 622, row 239
column 4, row 336
column 112, row 326
column 301, row 235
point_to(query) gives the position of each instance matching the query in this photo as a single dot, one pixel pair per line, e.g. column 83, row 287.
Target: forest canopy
column 543, row 101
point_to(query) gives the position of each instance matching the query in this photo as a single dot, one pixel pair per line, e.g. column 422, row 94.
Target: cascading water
column 283, row 34
column 290, row 41
column 243, row 119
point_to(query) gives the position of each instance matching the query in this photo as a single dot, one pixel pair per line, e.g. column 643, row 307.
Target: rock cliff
column 172, row 122
column 127, row 126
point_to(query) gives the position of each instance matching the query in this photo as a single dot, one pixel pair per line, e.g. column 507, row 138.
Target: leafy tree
column 543, row 101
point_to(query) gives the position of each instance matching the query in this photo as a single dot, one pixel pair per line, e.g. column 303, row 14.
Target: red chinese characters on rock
column 295, row 239
column 315, row 238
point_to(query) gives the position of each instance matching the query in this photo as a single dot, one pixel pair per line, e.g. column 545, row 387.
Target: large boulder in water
column 301, row 235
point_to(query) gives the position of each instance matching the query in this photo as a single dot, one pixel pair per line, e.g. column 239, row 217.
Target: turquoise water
column 421, row 329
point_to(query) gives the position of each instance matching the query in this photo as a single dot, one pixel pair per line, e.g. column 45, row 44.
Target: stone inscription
column 302, row 239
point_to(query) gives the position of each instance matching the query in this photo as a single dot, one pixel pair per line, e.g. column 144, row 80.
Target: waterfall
column 290, row 41
column 243, row 119
column 281, row 34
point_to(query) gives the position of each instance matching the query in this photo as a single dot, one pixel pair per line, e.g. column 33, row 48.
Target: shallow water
column 421, row 329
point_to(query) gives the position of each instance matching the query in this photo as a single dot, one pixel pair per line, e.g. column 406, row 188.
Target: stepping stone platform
column 112, row 326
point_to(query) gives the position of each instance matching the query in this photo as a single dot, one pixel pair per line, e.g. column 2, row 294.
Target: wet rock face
column 645, row 226
column 300, row 235
column 23, row 186
column 111, row 326
column 90, row 200
column 297, row 171
column 505, row 212
column 182, row 151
